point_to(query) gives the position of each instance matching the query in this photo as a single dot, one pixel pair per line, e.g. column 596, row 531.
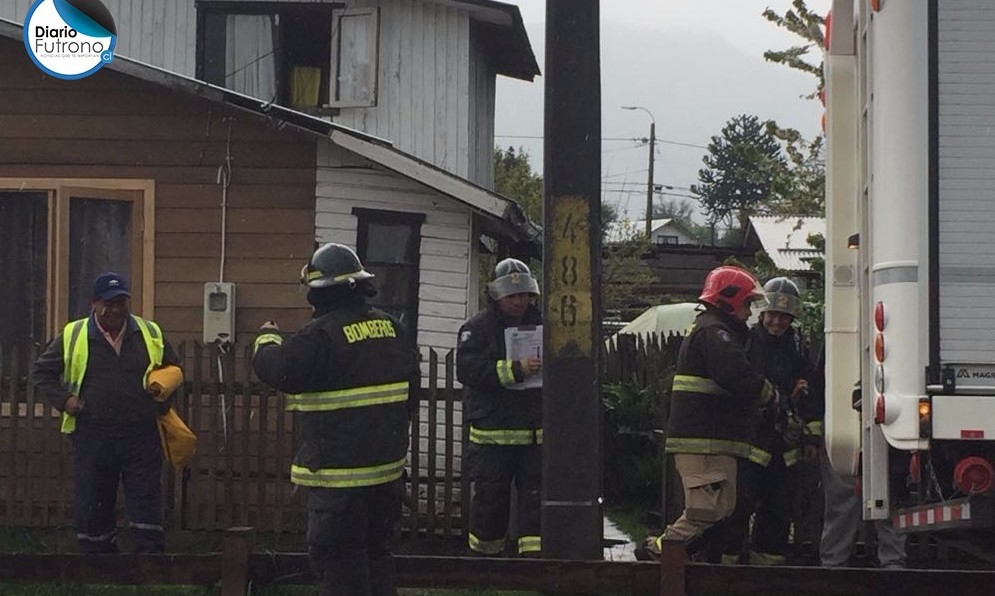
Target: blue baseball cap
column 110, row 285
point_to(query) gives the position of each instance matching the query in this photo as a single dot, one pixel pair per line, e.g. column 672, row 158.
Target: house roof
column 508, row 216
column 624, row 229
column 785, row 239
column 512, row 54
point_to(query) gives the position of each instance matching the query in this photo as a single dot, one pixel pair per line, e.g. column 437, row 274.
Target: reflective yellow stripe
column 766, row 559
column 347, row 477
column 75, row 354
column 504, row 372
column 356, row 397
column 487, row 547
column 266, row 338
column 482, row 436
column 718, row 447
column 792, row 456
column 529, row 544
column 729, row 560
column 813, row 428
column 693, row 384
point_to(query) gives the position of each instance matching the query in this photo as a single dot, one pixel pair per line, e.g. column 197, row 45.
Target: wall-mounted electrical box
column 219, row 312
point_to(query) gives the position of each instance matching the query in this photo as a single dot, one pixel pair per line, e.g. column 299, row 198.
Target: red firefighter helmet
column 728, row 288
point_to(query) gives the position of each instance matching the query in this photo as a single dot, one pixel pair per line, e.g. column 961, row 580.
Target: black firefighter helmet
column 333, row 265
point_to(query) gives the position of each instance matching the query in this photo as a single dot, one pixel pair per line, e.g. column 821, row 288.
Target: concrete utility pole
column 649, row 177
column 572, row 526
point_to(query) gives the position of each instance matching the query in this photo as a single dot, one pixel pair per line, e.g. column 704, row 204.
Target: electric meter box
column 219, row 312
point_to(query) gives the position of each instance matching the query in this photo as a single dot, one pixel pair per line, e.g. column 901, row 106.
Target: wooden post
column 673, row 558
column 571, row 508
column 236, row 547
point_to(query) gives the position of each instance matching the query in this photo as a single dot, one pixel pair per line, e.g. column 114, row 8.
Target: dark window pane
column 23, row 264
column 389, row 243
column 99, row 240
column 394, row 285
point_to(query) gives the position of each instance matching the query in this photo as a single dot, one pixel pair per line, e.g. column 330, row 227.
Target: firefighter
column 96, row 373
column 792, row 434
column 349, row 374
column 505, row 420
column 716, row 394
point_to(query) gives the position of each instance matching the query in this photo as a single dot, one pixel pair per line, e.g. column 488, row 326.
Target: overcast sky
column 693, row 63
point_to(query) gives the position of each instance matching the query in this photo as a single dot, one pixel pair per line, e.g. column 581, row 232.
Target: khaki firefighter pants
column 709, row 493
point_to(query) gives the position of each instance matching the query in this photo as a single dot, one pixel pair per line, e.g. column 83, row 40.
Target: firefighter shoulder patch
column 723, row 335
column 464, row 336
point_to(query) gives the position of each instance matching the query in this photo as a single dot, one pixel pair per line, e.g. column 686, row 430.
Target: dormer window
column 304, row 55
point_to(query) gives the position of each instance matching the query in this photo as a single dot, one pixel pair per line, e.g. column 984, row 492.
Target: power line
column 617, row 139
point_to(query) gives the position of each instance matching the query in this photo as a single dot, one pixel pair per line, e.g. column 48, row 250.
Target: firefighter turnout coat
column 348, row 373
column 716, row 391
column 785, row 360
column 497, row 415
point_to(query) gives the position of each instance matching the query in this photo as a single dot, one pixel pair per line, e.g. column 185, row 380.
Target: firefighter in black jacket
column 348, row 374
column 505, row 420
column 779, row 352
column 715, row 398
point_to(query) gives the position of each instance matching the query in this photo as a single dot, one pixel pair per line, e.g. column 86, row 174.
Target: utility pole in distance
column 649, row 178
column 572, row 526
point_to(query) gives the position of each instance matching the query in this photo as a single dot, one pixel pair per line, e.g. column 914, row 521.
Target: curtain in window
column 250, row 61
column 23, row 262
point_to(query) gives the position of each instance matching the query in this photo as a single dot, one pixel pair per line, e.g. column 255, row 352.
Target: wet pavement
column 623, row 548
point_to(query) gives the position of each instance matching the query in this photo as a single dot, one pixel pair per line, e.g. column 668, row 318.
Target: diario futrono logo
column 69, row 39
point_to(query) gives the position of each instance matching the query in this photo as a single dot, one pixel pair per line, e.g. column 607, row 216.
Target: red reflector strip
column 972, row 434
column 935, row 515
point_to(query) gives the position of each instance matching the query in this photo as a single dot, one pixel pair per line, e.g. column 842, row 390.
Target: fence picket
column 244, row 481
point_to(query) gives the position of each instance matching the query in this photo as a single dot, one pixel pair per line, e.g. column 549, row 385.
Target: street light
column 649, row 182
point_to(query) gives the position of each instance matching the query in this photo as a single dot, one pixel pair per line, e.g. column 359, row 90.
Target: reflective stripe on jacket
column 497, row 415
column 716, row 392
column 76, row 351
column 351, row 396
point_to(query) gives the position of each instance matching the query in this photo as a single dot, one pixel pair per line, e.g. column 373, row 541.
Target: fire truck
column 910, row 257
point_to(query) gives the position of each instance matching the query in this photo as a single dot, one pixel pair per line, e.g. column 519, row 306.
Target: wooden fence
column 240, row 475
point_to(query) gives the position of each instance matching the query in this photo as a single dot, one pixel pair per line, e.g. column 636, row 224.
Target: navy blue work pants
column 101, row 461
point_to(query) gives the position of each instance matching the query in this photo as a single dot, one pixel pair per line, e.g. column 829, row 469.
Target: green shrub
column 631, row 449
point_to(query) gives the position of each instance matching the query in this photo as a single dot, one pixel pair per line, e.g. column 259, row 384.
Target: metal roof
column 785, row 239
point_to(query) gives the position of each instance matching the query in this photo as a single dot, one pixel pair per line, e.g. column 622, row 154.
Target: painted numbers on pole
column 569, row 286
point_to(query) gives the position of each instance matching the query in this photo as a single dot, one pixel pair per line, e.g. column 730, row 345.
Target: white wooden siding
column 345, row 182
column 158, row 32
column 483, row 90
column 966, row 40
column 424, row 105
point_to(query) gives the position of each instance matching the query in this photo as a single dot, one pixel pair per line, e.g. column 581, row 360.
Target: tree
column 744, row 171
column 805, row 24
column 514, row 178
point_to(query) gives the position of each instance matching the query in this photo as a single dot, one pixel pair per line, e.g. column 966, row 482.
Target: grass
column 76, row 590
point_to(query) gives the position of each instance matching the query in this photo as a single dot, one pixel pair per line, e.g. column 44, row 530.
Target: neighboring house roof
column 511, row 54
column 624, row 229
column 509, row 216
column 785, row 239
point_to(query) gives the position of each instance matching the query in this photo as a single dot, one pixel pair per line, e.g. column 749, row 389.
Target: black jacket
column 488, row 403
column 785, row 360
column 716, row 392
column 351, row 346
column 113, row 391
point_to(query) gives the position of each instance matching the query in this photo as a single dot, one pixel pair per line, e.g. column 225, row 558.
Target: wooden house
column 420, row 73
column 178, row 183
